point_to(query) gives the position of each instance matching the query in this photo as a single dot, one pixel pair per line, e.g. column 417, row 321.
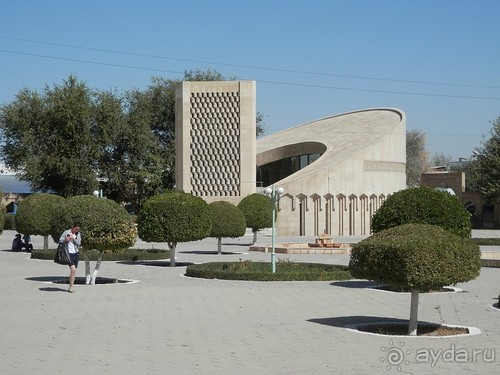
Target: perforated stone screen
column 215, row 139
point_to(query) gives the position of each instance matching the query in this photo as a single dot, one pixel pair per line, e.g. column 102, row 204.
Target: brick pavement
column 167, row 323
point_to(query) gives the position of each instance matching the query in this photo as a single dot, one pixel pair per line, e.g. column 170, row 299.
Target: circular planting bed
column 388, row 288
column 423, row 329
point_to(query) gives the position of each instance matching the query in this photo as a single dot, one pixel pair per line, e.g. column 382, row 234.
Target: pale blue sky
column 437, row 60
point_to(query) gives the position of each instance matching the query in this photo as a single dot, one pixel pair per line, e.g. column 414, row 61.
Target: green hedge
column 131, row 255
column 261, row 271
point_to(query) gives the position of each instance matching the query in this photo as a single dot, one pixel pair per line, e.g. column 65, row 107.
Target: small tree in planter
column 35, row 214
column 105, row 226
column 174, row 217
column 227, row 221
column 258, row 211
column 425, row 206
column 418, row 257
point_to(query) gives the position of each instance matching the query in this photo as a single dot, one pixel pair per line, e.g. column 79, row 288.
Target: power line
column 261, row 81
column 252, row 67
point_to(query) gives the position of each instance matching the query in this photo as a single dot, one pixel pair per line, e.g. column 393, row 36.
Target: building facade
column 336, row 171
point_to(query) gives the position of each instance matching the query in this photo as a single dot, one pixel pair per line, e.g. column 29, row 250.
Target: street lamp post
column 275, row 195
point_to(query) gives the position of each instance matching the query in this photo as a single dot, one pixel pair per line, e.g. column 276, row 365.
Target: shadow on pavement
column 349, row 321
column 355, row 284
column 157, row 263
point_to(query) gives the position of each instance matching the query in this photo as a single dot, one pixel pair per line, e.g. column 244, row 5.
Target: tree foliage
column 105, row 225
column 71, row 140
column 48, row 138
column 423, row 205
column 416, row 157
column 174, row 217
column 35, row 214
column 258, row 212
column 485, row 169
column 416, row 256
column 227, row 221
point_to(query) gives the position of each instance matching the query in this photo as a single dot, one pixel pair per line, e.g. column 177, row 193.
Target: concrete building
column 336, row 171
column 215, row 139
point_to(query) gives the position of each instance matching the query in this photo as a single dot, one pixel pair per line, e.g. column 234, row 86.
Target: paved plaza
column 170, row 324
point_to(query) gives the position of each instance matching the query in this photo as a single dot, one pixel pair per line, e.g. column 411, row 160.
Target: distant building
column 484, row 214
column 13, row 190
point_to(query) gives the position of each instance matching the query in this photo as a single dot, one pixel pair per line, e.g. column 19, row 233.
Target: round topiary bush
column 423, row 205
column 258, row 211
column 227, row 221
column 35, row 213
column 174, row 217
column 418, row 257
column 105, row 225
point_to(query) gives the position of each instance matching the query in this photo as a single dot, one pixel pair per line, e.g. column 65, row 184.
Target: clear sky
column 437, row 60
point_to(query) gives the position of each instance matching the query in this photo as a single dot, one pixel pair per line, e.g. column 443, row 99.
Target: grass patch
column 486, row 241
column 261, row 271
column 130, row 255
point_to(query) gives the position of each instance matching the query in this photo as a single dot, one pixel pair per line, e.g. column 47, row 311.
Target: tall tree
column 130, row 164
column 416, row 157
column 485, row 169
column 48, row 138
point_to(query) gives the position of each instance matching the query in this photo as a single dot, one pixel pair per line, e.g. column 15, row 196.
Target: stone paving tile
column 167, row 323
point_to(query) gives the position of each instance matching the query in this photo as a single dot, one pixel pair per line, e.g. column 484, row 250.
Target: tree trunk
column 45, row 242
column 97, row 266
column 254, row 236
column 219, row 245
column 87, row 268
column 412, row 326
column 171, row 246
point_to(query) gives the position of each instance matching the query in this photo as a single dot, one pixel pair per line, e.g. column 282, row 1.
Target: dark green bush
column 416, row 256
column 258, row 211
column 227, row 220
column 261, row 271
column 174, row 217
column 105, row 225
column 10, row 222
column 35, row 213
column 423, row 206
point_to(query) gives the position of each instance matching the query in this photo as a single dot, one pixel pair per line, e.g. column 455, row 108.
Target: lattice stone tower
column 215, row 139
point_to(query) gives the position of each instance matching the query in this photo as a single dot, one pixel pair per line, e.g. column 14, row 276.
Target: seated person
column 17, row 244
column 27, row 242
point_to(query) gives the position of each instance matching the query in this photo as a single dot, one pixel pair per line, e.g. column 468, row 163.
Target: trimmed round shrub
column 35, row 213
column 174, row 217
column 105, row 225
column 258, row 211
column 227, row 220
column 416, row 256
column 423, row 205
